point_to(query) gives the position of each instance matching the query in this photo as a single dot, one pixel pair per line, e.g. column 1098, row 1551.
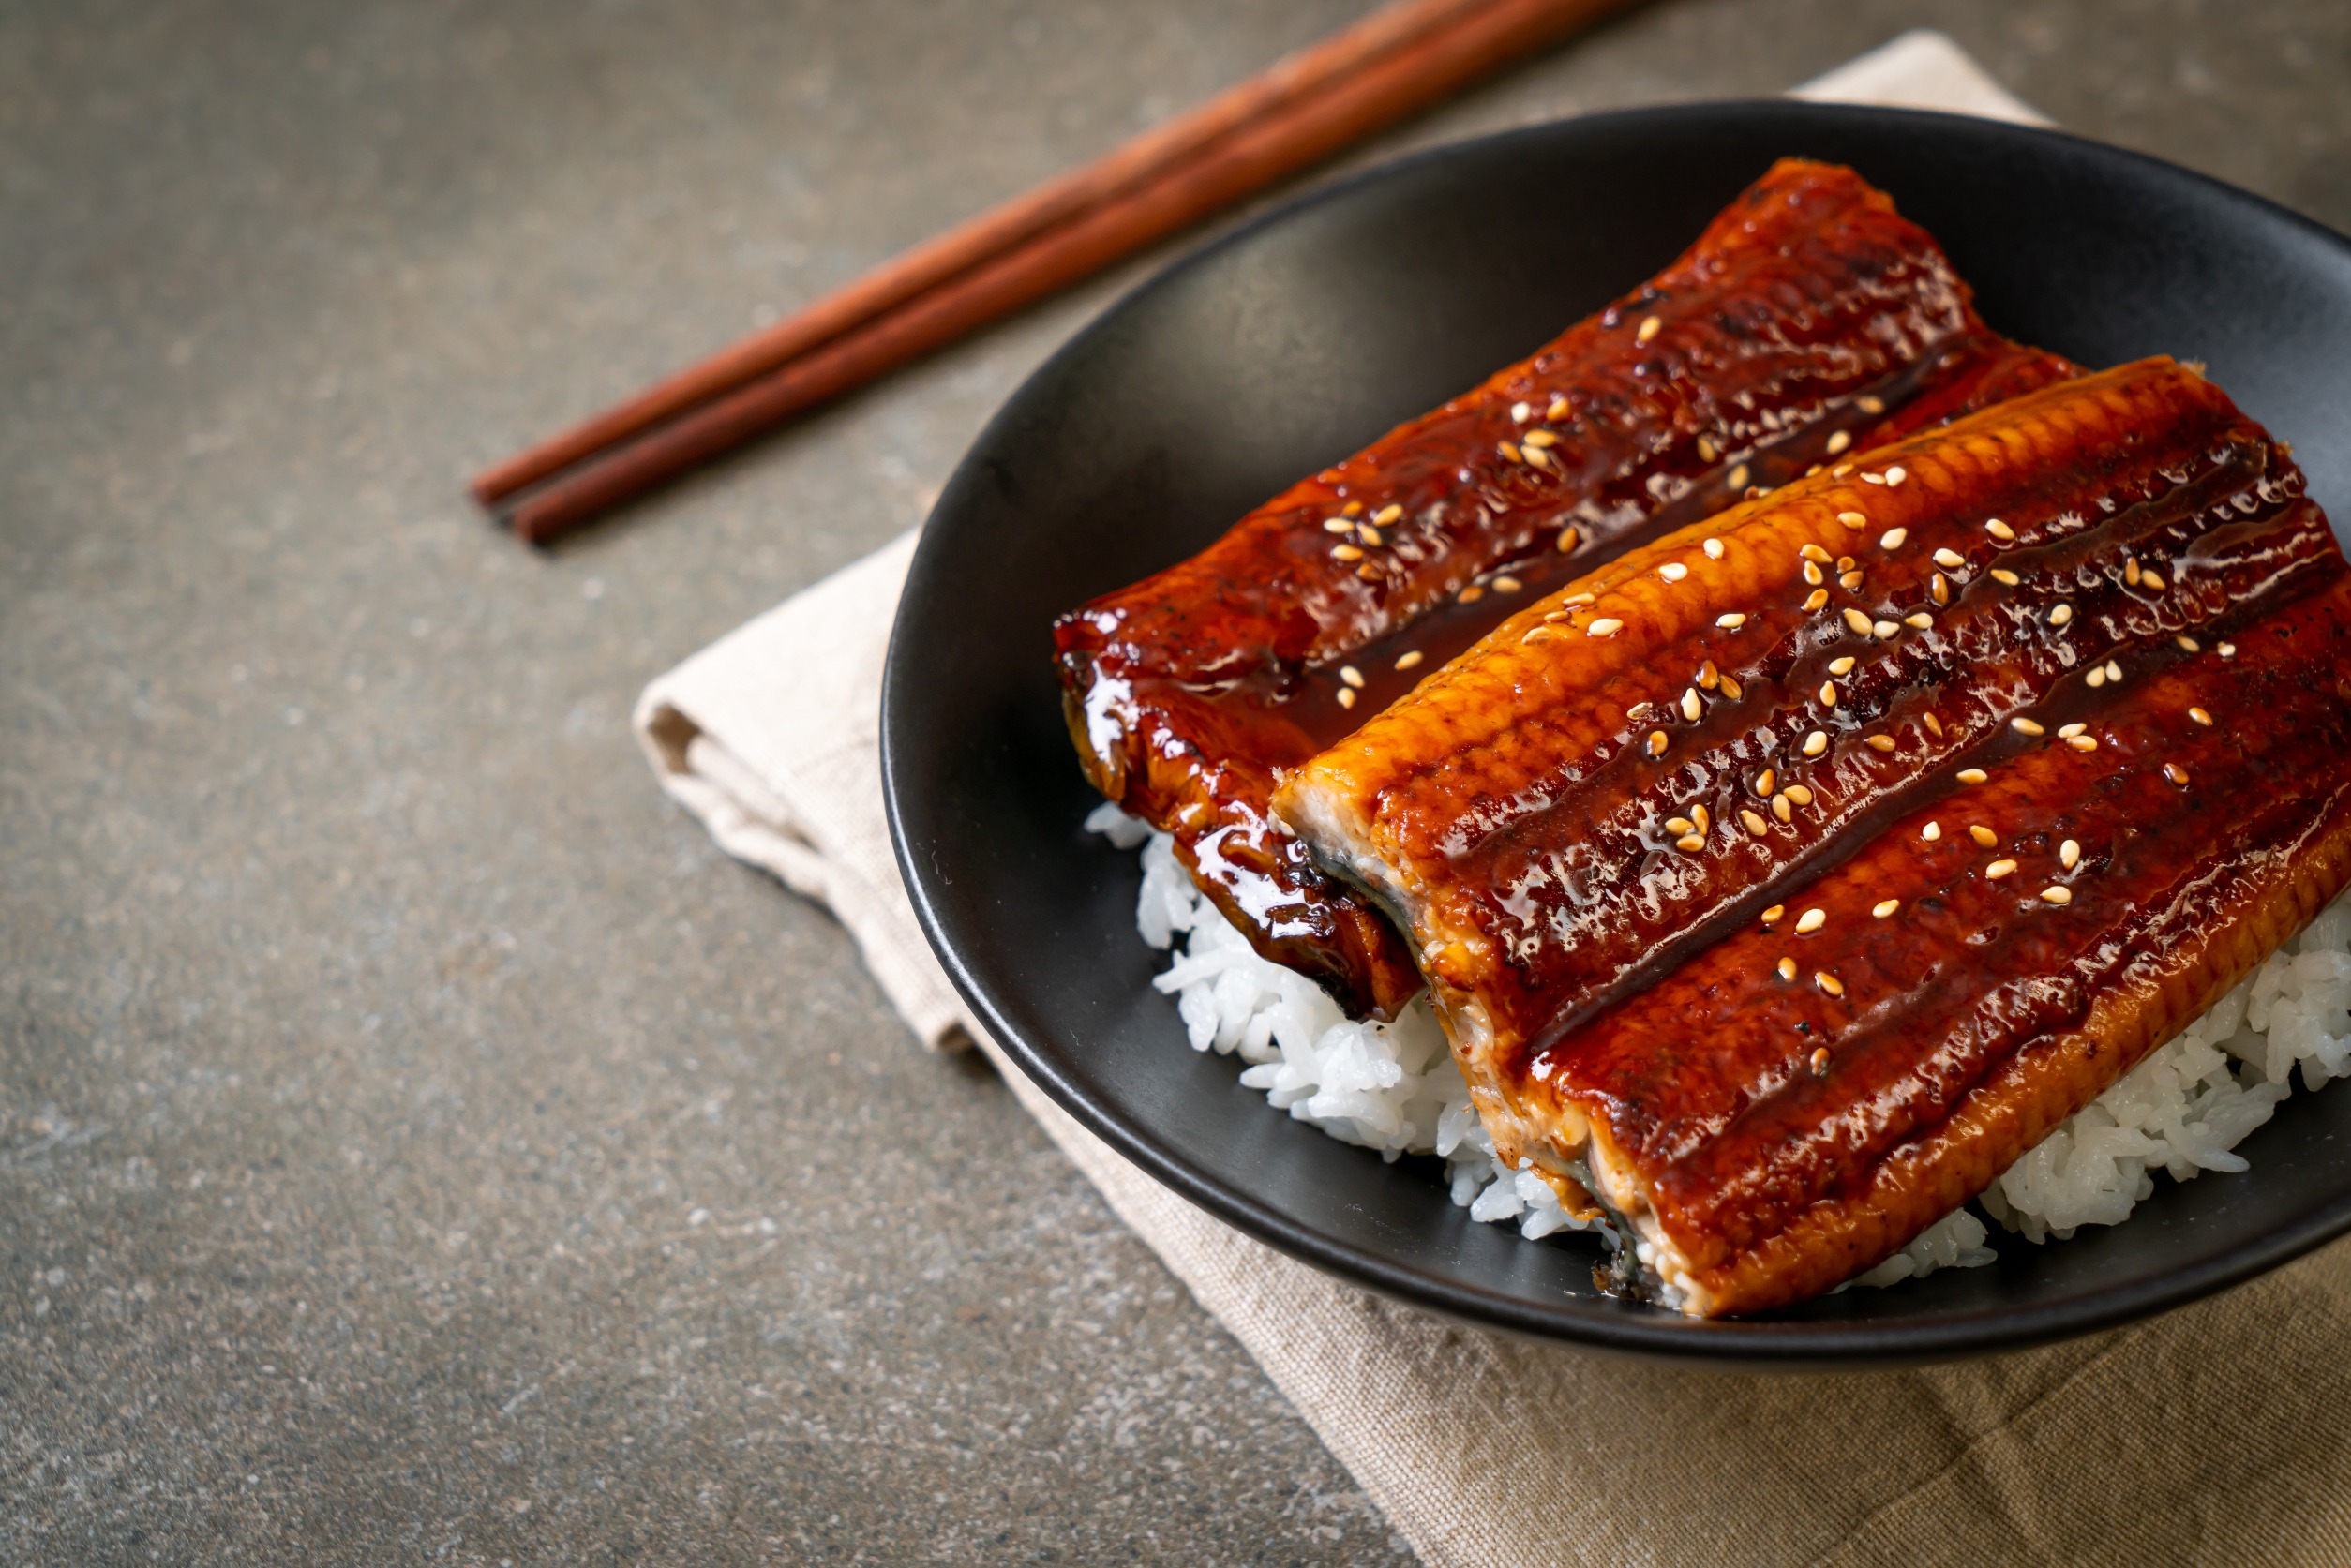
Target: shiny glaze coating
column 1809, row 321
column 1773, row 1128
column 2120, row 553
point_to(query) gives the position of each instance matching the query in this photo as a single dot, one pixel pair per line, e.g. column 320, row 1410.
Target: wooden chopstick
column 1440, row 45
column 973, row 241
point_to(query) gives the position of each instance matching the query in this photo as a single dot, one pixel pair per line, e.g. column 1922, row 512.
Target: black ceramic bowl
column 1298, row 339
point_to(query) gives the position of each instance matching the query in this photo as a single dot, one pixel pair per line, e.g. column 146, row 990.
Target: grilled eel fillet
column 1810, row 319
column 1782, row 883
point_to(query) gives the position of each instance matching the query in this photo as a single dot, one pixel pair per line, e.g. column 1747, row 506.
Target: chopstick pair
column 1299, row 110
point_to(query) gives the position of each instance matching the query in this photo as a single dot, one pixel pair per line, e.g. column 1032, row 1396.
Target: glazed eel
column 1810, row 319
column 1783, row 882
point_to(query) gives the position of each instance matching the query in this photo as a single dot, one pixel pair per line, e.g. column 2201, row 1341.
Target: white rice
column 1394, row 1087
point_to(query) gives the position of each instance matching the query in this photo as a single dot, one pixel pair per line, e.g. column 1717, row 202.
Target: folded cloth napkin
column 2219, row 1433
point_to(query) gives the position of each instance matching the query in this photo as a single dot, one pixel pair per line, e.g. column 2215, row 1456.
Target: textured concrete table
column 416, row 1141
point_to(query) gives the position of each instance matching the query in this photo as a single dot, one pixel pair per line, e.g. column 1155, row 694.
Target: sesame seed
column 2114, row 671
column 1639, row 710
column 1816, row 743
column 2096, row 678
column 1705, row 823
column 1886, row 908
column 1933, row 724
column 1817, row 599
column 1886, row 629
column 1650, row 326
column 1387, row 514
column 1506, row 584
column 1880, row 743
column 1540, row 438
column 1918, row 619
column 1932, row 832
column 2069, row 853
column 1469, row 595
column 1755, row 823
column 1558, row 409
column 1708, row 676
column 1827, row 982
column 2152, row 581
column 1896, row 475
column 1407, row 661
column 1849, row 580
column 1773, row 913
column 1338, row 525
column 1766, row 782
column 1737, row 478
column 2060, row 614
column 1691, row 709
column 1510, row 449
column 1999, row 869
column 1346, row 697
column 2069, row 731
column 1536, row 456
column 2056, row 895
column 1368, row 573
column 1707, row 449
column 2200, row 716
column 1606, row 626
column 1346, row 552
column 2025, row 726
column 1712, row 548
column 1857, row 622
column 1731, row 623
column 1810, row 922
column 1673, row 570
column 1815, row 553
column 2003, row 577
column 1680, row 824
column 1841, row 667
column 1982, row 835
column 1819, row 1060
column 1371, row 535
column 1799, row 794
column 2175, row 773
column 1942, row 589
column 1658, row 742
column 1973, row 775
column 2227, row 650
column 1351, row 675
column 1518, row 412
column 1892, row 539
column 1787, row 967
column 2082, row 742
column 2001, row 531
column 1568, row 540
column 1871, row 405
column 1840, row 471
column 1353, row 509
column 1689, row 844
column 1873, row 479
column 1730, row 688
column 1852, row 519
column 1949, row 559
column 1828, row 693
column 1578, row 598
column 2189, row 643
column 1782, row 809
column 2131, row 570
column 1845, row 563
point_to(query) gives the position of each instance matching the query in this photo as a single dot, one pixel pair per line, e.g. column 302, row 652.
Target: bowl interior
column 1305, row 336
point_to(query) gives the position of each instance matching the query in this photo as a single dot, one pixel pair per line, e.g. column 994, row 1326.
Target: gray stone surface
column 416, row 1141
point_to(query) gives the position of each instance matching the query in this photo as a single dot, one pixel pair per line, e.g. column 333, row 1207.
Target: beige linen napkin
column 2220, row 1433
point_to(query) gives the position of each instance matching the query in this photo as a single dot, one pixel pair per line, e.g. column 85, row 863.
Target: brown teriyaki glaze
column 1809, row 324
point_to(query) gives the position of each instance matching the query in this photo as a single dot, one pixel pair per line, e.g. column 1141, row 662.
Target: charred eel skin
column 1810, row 321
column 2020, row 629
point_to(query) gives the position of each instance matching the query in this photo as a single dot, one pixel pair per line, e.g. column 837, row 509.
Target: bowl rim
column 1654, row 1334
